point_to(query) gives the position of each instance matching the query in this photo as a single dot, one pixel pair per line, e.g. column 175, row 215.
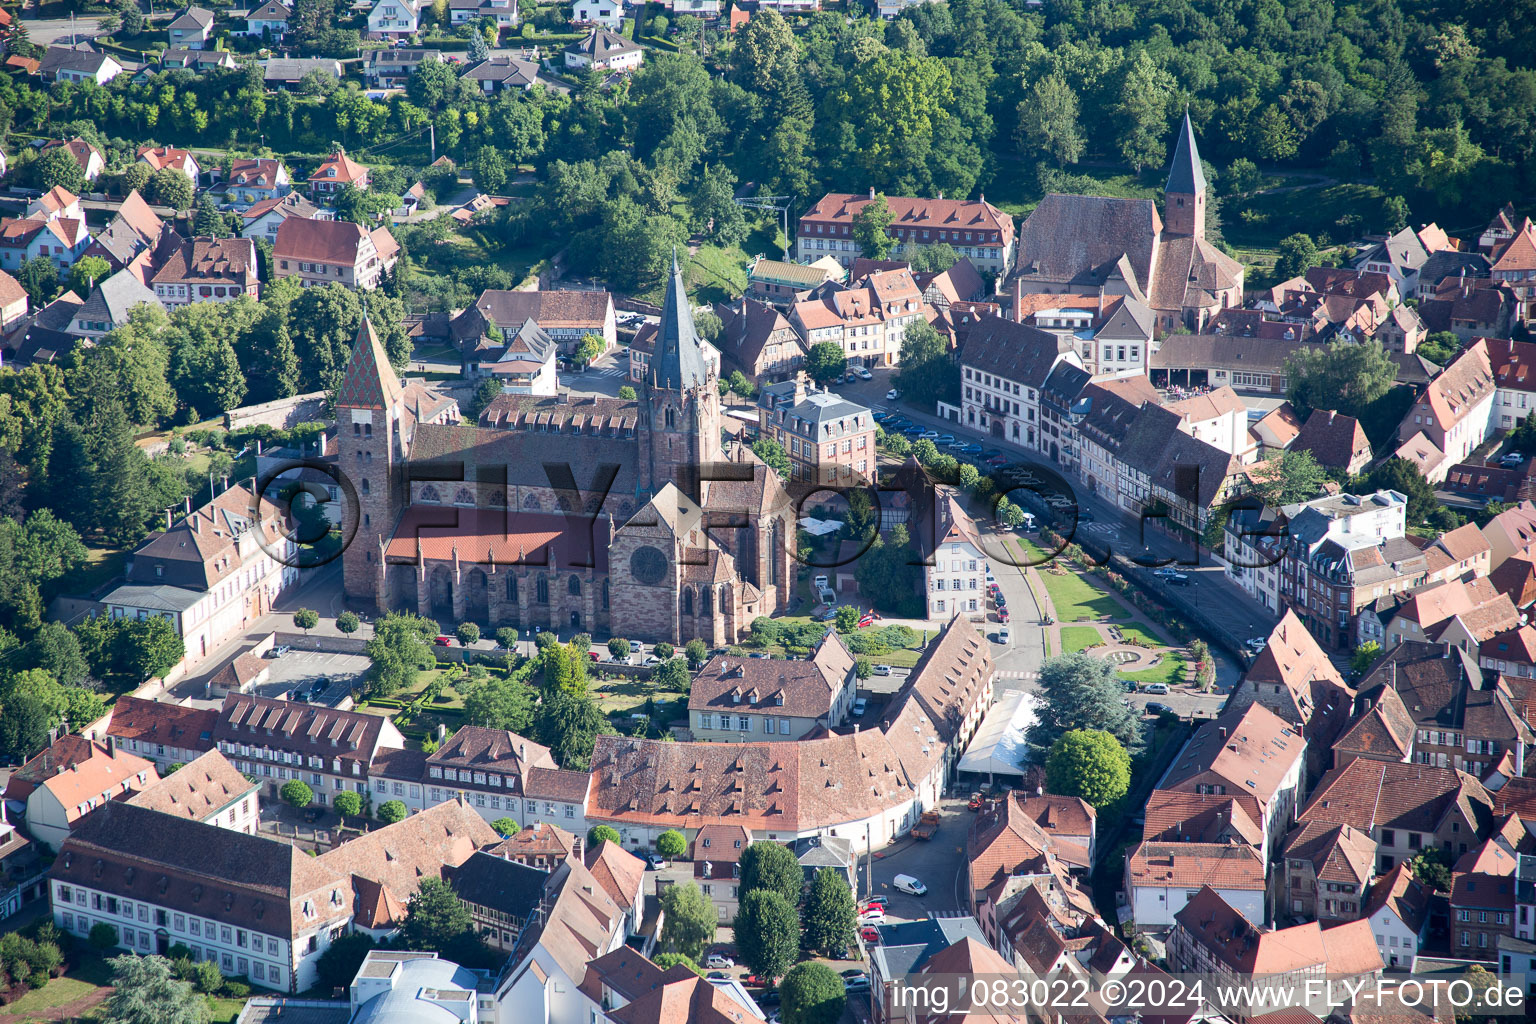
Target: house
column 1160, row 877
column 1456, row 410
column 391, row 68
column 1398, row 909
column 256, row 907
column 1456, row 612
column 1399, row 257
column 757, row 340
column 60, row 239
column 13, row 301
column 975, row 228
column 207, row 789
column 158, row 157
column 526, row 365
column 867, row 319
column 161, row 731
column 503, row 12
column 543, row 846
column 956, row 572
column 1251, row 754
column 288, row 72
column 253, row 179
column 196, row 60
column 78, row 63
column 269, row 21
column 205, row 270
column 501, row 74
column 1328, row 869
column 1515, row 269
column 1003, row 367
column 277, row 740
column 780, row 282
column 1471, row 309
column 262, row 219
column 1482, row 910
column 607, row 13
column 110, row 304
column 816, row 854
column 827, row 438
column 604, row 50
column 736, row 699
column 86, row 155
column 43, row 337
column 99, row 775
column 716, row 857
column 1515, row 379
column 322, row 252
column 335, row 173
column 566, row 316
column 622, row 876
column 191, row 29
column 387, row 865
column 1081, row 244
column 393, row 19
column 1336, row 441
column 212, row 571
column 906, row 948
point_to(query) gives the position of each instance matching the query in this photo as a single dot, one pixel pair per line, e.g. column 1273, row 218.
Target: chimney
column 1223, row 732
column 871, row 191
column 111, row 746
column 189, row 504
column 168, row 514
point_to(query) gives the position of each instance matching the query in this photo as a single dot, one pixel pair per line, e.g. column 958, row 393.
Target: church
column 604, row 515
column 1097, row 245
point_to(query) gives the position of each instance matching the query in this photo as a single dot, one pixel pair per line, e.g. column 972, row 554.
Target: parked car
column 892, row 395
column 1085, row 515
column 870, row 934
column 1165, row 572
column 1002, row 616
column 852, row 972
column 914, row 430
column 875, row 901
column 1178, row 579
column 909, row 885
column 928, row 435
column 859, row 707
column 882, row 670
column 874, row 915
column 299, row 697
column 879, row 416
column 859, row 984
column 864, row 373
column 279, row 651
column 717, row 975
column 945, row 439
column 1154, row 708
column 655, row 861
column 1157, row 688
column 758, row 654
column 719, row 962
column 996, row 460
column 444, row 641
column 1257, row 643
column 320, row 686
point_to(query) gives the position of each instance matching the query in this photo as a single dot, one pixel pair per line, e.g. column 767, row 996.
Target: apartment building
column 1455, row 411
column 162, row 731
column 956, row 574
column 867, row 319
column 736, row 699
column 1003, row 367
column 81, row 785
column 277, row 740
column 322, row 252
column 975, row 228
column 1398, row 909
column 205, row 270
column 828, row 439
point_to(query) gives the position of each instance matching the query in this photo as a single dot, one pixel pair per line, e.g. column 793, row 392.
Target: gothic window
column 592, row 505
column 688, row 602
column 511, row 587
column 532, row 501
column 574, row 587
column 543, row 590
column 705, row 602
column 563, row 503
column 669, row 418
column 429, row 493
column 625, row 508
column 498, row 498
column 463, row 497
column 605, row 595
column 365, row 487
column 773, row 554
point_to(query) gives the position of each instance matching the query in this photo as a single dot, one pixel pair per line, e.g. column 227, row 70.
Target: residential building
column 162, row 731
column 867, row 319
column 1328, row 869
column 565, row 316
column 338, row 171
column 526, row 365
column 62, row 240
column 88, row 781
column 908, row 947
column 393, row 19
column 1003, row 367
column 191, row 29
column 503, row 74
column 110, row 304
column 86, row 155
column 252, row 180
column 270, row 21
column 1161, row 878
column 1456, row 410
column 780, row 281
column 13, row 301
column 1398, row 909
column 288, row 72
column 277, row 740
column 1399, row 257
column 757, row 340
column 956, row 574
column 1246, row 364
column 212, row 572
column 1515, row 268
column 263, row 219
column 1514, row 372
column 816, row 854
column 391, row 67
column 1455, row 611
column 1482, row 910
column 78, row 63
column 543, row 846
column 322, row 252
column 827, row 438
column 502, row 12
column 207, row 789
column 256, row 907
column 716, row 857
column 622, row 876
column 736, row 699
column 205, row 270
column 501, row 895
column 975, row 228
column 160, row 157
column 1336, row 441
column 604, row 50
column 198, row 61
column 130, row 238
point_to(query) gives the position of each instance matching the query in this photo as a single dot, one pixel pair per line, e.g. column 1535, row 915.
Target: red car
column 444, row 641
column 870, row 934
column 1002, row 615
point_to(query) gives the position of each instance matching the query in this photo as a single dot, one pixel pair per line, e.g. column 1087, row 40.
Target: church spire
column 368, row 382
column 679, row 360
column 1186, row 176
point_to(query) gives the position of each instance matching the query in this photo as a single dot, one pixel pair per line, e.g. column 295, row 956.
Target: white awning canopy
column 998, row 747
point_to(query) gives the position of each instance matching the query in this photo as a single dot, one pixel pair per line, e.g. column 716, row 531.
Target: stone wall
column 280, row 414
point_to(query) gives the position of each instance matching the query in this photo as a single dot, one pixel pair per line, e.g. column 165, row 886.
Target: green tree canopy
column 391, row 811
column 145, row 990
column 1344, row 376
column 500, row 703
column 826, row 362
column 767, row 931
column 599, row 834
column 671, row 844
column 813, row 994
column 348, row 804
column 1091, row 764
column 768, row 865
column 297, row 794
column 1079, row 691
column 830, row 917
column 690, row 920
column 400, row 648
column 871, row 229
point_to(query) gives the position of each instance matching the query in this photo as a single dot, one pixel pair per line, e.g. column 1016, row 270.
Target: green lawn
column 224, row 1011
column 1134, row 633
column 1077, row 638
column 1077, row 600
column 1170, row 671
column 101, row 565
column 89, row 973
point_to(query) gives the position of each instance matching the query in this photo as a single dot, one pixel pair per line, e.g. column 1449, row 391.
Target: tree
column 667, row 961
column 145, row 990
column 468, row 633
column 771, row 866
column 1439, row 347
column 599, row 834
column 569, row 724
column 871, row 229
column 478, row 48
column 103, row 936
column 1243, row 176
column 1142, row 112
column 209, row 221
column 690, row 920
column 767, row 931
column 489, row 170
column 1079, row 691
column 1343, row 376
column 1398, row 474
column 773, row 455
column 627, row 393
column 348, row 804
column 1363, row 658
column 847, row 619
column 664, row 651
column 1091, row 764
column 39, row 277
column 1048, row 121
column 297, row 794
column 400, row 648
column 812, row 994
column 671, row 844
column 347, row 622
column 830, row 916
column 391, row 811
column 306, row 619
column 696, row 653
column 505, row 827
column 825, row 363
column 500, row 703
column 135, row 178
column 87, row 273
column 1298, row 254
column 934, row 259
column 435, row 920
column 618, row 647
column 339, row 964
column 1433, row 868
column 672, row 676
column 590, row 348
column 169, row 187
column 1288, row 476
column 58, row 168
column 927, row 373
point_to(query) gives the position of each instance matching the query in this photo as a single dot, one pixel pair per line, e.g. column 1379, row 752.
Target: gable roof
column 1086, row 241
column 1369, row 794
column 199, row 788
column 154, row 721
column 1337, row 441
column 1252, row 750
column 322, row 241
column 1401, row 893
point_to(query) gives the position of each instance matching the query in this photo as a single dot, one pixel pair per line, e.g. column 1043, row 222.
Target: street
column 46, row 31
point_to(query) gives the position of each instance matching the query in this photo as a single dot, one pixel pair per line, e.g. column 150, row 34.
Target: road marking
column 1010, row 674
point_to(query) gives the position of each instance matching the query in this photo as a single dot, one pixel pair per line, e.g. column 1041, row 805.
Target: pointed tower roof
column 369, row 381
column 1186, row 177
column 679, row 361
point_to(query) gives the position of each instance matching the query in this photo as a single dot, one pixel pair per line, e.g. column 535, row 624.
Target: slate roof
column 487, row 880
column 678, row 362
column 1185, row 175
column 1008, row 349
column 113, row 299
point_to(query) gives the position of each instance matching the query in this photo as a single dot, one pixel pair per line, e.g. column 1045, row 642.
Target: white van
column 909, row 885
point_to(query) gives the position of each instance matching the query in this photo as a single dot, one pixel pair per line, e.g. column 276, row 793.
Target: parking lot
column 295, row 667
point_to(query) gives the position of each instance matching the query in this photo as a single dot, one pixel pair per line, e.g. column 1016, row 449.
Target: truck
column 926, row 826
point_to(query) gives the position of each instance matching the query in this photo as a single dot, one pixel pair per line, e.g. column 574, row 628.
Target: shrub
column 349, row 805
column 103, row 936
column 391, row 811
